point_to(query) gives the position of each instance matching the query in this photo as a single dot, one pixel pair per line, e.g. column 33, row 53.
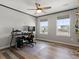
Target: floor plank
column 45, row 50
column 2, row 56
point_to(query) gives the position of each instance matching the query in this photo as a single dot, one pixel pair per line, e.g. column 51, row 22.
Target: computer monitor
column 31, row 28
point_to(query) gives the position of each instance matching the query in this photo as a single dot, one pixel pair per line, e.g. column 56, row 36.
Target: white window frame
column 63, row 33
column 46, row 33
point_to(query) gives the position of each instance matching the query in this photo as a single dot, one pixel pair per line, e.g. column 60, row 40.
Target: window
column 63, row 27
column 43, row 27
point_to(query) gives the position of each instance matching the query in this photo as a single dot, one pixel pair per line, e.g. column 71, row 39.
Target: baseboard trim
column 75, row 45
column 4, row 47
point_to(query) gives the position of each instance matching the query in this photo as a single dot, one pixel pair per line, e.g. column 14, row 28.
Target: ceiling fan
column 39, row 8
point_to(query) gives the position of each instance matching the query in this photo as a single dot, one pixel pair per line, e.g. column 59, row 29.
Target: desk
column 17, row 33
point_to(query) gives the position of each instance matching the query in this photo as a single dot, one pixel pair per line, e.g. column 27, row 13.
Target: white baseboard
column 76, row 45
column 3, row 47
column 44, row 40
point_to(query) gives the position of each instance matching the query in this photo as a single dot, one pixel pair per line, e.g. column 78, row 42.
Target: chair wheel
column 32, row 45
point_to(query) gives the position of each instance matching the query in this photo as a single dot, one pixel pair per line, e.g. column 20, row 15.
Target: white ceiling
column 57, row 5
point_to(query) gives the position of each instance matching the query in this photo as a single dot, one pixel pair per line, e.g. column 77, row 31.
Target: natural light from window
column 63, row 27
column 43, row 27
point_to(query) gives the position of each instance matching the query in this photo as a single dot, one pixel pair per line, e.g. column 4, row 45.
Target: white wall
column 11, row 19
column 72, row 40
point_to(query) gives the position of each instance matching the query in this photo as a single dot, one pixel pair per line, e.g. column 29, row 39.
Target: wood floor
column 44, row 50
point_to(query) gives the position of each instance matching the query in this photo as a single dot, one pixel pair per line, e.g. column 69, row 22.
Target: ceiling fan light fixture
column 39, row 8
column 39, row 11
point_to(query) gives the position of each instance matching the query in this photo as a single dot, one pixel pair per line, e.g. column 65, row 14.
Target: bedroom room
column 39, row 29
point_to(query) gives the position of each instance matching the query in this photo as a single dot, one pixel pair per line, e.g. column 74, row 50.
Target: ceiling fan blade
column 46, row 7
column 37, row 5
